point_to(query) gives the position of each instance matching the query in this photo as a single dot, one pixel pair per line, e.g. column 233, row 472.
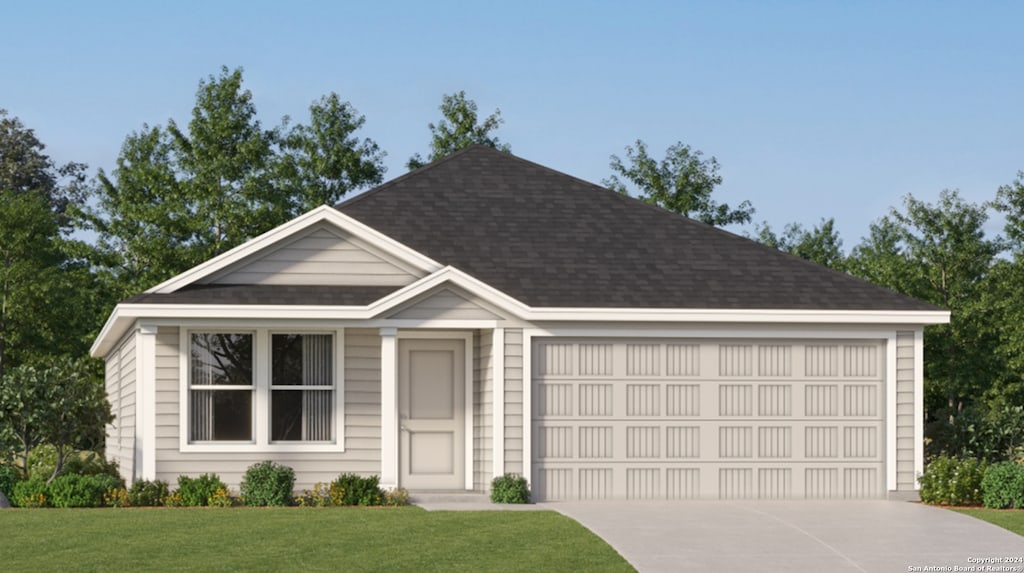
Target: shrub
column 173, row 500
column 116, row 497
column 952, row 481
column 1003, row 486
column 319, row 496
column 350, row 489
column 43, row 460
column 9, row 476
column 145, row 493
column 510, row 488
column 396, row 497
column 31, row 493
column 268, row 483
column 73, row 490
column 221, row 498
column 198, row 491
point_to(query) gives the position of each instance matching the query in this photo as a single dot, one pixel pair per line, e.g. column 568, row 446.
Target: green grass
column 297, row 539
column 1012, row 519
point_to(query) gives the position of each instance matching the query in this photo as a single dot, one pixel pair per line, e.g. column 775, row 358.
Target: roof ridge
column 407, row 174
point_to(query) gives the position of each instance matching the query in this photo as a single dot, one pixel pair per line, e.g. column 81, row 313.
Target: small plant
column 268, row 483
column 396, row 497
column 351, row 489
column 116, row 497
column 319, row 496
column 1003, row 486
column 221, row 498
column 952, row 481
column 510, row 488
column 173, row 499
column 73, row 490
column 145, row 493
column 198, row 491
column 31, row 493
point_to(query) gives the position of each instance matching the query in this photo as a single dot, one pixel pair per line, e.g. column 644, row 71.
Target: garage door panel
column 680, row 419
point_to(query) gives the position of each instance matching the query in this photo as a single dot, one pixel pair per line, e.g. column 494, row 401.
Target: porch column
column 498, row 406
column 145, row 419
column 388, row 407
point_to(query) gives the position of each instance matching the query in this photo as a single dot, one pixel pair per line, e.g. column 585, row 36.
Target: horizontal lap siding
column 514, row 400
column 362, row 422
column 483, row 396
column 120, row 384
column 905, row 438
column 446, row 305
column 321, row 257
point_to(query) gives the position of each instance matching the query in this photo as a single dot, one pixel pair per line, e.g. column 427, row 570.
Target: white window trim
column 261, row 398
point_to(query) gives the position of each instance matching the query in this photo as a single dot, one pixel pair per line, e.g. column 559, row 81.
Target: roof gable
column 554, row 241
column 320, row 255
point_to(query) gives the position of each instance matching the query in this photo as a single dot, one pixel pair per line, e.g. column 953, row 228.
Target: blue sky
column 813, row 109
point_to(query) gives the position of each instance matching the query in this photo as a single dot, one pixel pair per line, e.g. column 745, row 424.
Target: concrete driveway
column 793, row 537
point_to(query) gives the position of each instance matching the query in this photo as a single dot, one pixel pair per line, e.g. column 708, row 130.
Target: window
column 268, row 390
column 221, row 392
column 301, row 373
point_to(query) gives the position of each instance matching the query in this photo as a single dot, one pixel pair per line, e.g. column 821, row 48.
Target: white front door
column 431, row 413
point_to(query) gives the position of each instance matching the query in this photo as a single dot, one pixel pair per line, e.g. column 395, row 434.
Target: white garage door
column 722, row 419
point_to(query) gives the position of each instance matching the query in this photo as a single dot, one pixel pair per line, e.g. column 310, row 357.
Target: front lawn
column 297, row 539
column 1012, row 519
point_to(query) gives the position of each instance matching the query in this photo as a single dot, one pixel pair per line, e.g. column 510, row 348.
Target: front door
column 431, row 413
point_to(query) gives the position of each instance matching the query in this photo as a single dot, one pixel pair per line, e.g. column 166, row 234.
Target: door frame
column 467, row 338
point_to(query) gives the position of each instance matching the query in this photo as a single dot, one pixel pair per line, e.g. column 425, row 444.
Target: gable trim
column 283, row 232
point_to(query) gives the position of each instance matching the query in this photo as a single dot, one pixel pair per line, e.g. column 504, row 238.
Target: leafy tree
column 46, row 296
column 64, row 405
column 459, row 128
column 939, row 253
column 181, row 195
column 324, row 161
column 26, row 168
column 821, row 244
column 682, row 182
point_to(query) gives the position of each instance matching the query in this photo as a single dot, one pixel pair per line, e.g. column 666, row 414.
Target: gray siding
column 120, row 385
column 446, row 304
column 514, row 400
column 320, row 257
column 483, row 395
column 905, row 438
column 362, row 422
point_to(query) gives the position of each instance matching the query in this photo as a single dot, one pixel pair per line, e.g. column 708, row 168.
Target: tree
column 182, row 195
column 939, row 253
column 324, row 161
column 682, row 183
column 45, row 289
column 459, row 128
column 63, row 404
column 821, row 244
column 25, row 168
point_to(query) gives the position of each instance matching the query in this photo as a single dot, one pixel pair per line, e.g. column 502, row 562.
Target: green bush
column 952, row 481
column 268, row 483
column 9, row 475
column 510, row 488
column 1003, row 486
column 145, row 493
column 31, row 493
column 43, row 459
column 200, row 490
column 73, row 490
column 350, row 489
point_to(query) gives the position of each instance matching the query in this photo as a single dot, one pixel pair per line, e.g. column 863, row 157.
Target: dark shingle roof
column 268, row 295
column 551, row 240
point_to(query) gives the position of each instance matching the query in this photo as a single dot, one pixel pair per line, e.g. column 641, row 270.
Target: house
column 484, row 315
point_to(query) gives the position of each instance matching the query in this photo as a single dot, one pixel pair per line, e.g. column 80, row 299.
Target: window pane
column 301, row 415
column 221, row 359
column 301, row 360
column 220, row 415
